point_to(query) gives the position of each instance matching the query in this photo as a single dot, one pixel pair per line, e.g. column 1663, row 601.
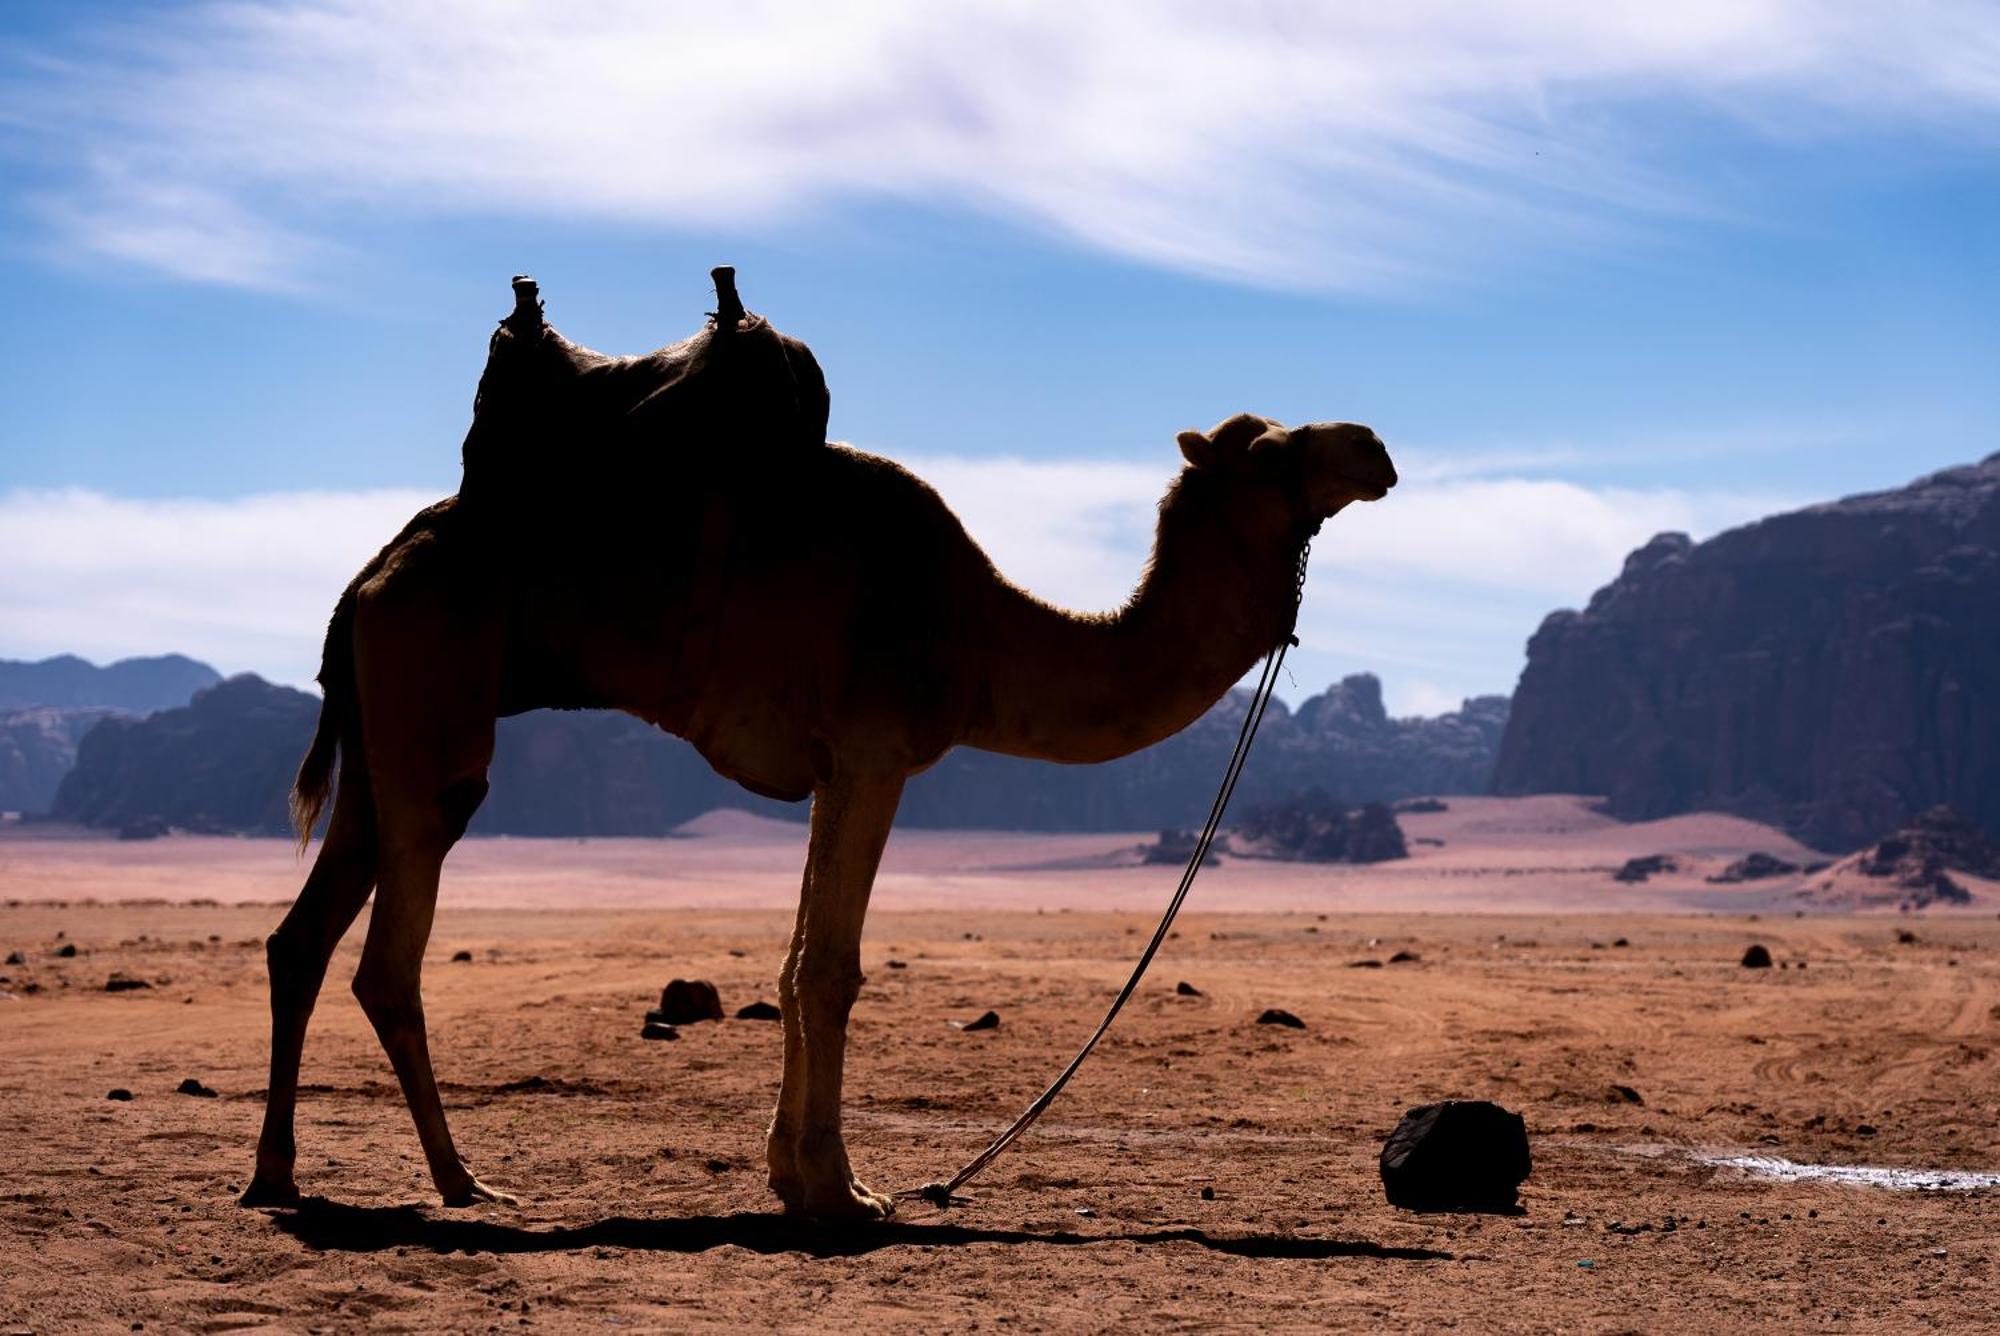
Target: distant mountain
column 138, row 685
column 47, row 707
column 1342, row 741
column 1834, row 670
column 224, row 763
column 37, row 748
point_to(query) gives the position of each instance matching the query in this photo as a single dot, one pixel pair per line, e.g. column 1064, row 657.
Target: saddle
column 553, row 417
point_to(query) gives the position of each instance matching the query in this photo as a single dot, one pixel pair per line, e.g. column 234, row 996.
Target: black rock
column 461, row 957
column 1459, row 1155
column 120, row 1093
column 658, row 1030
column 67, row 950
column 124, row 983
column 898, row 964
column 1279, row 1016
column 758, row 1011
column 1753, row 867
column 1405, row 958
column 16, row 958
column 1186, row 989
column 191, row 1086
column 685, row 1001
column 1756, row 958
column 989, row 1021
column 1638, row 869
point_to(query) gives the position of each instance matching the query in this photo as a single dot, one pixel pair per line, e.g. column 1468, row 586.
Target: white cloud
column 1436, row 589
column 1342, row 146
column 245, row 584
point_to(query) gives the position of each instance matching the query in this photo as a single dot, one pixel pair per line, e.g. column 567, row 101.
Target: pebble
column 120, row 1093
column 1364, row 964
column 123, row 983
column 1279, row 1016
column 1186, row 989
column 1208, row 1194
column 67, row 950
column 191, row 1086
column 758, row 1011
column 16, row 958
column 899, row 964
column 659, row 1030
column 1757, row 957
column 461, row 957
column 1404, row 958
column 989, row 1021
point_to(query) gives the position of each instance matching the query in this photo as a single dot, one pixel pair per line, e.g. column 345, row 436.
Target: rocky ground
column 1203, row 1171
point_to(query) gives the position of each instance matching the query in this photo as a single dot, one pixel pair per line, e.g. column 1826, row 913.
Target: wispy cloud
column 1339, row 146
column 1436, row 589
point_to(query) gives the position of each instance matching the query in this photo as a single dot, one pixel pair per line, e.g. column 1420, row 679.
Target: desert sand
column 1202, row 1171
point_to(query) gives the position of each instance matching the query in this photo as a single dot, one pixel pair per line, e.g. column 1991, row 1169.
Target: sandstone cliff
column 1834, row 670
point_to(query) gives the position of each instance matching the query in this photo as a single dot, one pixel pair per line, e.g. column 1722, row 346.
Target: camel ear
column 1197, row 449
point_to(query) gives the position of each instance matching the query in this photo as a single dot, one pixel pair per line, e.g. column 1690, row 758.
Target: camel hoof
column 270, row 1192
column 853, row 1202
column 475, row 1191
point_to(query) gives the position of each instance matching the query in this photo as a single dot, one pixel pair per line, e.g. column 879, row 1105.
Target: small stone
column 758, row 1011
column 686, row 1001
column 1186, row 989
column 1904, row 937
column 989, row 1021
column 191, row 1086
column 1364, row 964
column 1625, row 1094
column 123, row 983
column 1086, row 1212
column 735, row 951
column 1208, row 1194
column 899, row 964
column 1404, row 958
column 67, row 950
column 659, row 1030
column 1621, row 942
column 120, row 1094
column 1279, row 1016
column 1757, row 958
column 16, row 958
column 461, row 957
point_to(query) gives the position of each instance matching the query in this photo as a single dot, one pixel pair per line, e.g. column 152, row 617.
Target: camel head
column 1328, row 464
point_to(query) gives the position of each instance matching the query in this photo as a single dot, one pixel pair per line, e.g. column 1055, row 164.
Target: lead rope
column 940, row 1194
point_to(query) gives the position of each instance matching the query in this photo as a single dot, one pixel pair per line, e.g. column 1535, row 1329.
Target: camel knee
column 829, row 986
column 295, row 968
column 389, row 1000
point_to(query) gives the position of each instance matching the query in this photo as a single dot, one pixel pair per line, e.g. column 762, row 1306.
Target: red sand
column 640, row 1167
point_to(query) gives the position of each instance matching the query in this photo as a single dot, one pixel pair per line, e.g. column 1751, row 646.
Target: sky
column 1592, row 271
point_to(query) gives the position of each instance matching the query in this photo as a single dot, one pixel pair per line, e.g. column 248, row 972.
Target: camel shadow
column 328, row 1226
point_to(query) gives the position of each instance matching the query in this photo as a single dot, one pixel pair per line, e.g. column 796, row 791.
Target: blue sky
column 1590, row 270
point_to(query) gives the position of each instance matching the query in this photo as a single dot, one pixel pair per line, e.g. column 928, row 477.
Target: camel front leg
column 850, row 824
column 781, row 1148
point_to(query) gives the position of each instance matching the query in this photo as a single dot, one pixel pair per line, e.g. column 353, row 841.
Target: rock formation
column 600, row 773
column 1834, row 670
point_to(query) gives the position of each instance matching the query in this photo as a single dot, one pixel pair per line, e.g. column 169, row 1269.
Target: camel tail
column 338, row 718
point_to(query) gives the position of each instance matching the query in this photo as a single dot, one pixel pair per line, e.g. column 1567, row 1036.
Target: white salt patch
column 1853, row 1175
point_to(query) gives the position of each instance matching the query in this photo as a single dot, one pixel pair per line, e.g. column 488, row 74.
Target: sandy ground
column 640, row 1163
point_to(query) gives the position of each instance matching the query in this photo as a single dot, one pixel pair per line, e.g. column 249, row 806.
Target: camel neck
column 1216, row 596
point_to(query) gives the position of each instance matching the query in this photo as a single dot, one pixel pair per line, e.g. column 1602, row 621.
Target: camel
column 817, row 623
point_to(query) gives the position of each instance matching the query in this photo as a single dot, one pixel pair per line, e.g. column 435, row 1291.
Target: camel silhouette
column 671, row 536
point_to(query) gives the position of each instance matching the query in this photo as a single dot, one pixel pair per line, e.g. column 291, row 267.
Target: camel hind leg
column 297, row 955
column 389, row 982
column 427, row 656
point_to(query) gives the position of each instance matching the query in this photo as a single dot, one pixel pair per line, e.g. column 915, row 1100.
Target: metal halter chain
column 940, row 1194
